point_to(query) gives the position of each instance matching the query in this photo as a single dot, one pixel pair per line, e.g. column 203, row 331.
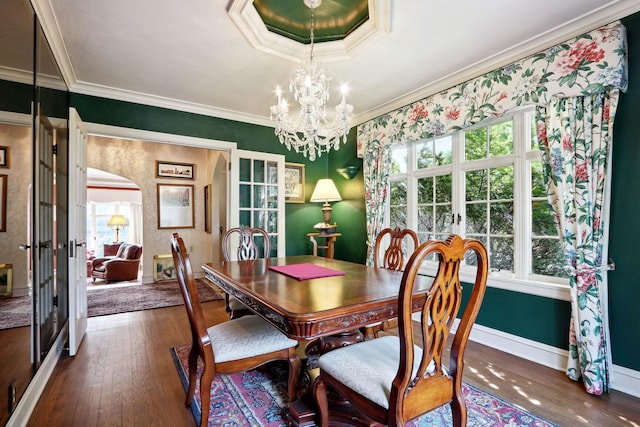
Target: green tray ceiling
column 334, row 20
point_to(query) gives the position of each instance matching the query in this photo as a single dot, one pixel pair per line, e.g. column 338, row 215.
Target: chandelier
column 311, row 133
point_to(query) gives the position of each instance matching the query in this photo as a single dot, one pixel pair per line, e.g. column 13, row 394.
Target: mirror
column 16, row 98
column 30, row 83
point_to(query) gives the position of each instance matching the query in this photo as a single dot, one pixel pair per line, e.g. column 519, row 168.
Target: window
column 98, row 232
column 485, row 182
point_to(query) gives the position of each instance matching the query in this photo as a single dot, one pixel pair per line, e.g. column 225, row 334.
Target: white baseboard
column 622, row 379
column 29, row 399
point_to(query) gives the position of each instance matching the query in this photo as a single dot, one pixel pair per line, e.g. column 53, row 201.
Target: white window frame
column 523, row 155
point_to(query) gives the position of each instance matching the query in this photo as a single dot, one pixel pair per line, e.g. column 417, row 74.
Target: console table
column 329, row 240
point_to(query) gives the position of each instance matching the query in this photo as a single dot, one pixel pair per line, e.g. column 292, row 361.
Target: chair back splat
column 247, row 250
column 232, row 346
column 412, row 379
column 394, row 254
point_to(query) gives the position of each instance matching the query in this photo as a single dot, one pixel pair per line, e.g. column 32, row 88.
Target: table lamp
column 326, row 192
column 118, row 222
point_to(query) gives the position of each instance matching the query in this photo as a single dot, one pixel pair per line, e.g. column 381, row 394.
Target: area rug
column 16, row 312
column 259, row 398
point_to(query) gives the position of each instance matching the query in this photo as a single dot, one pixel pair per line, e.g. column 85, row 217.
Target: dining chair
column 232, row 346
column 394, row 379
column 392, row 256
column 247, row 249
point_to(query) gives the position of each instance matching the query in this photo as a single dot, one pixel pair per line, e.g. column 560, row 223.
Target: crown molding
column 580, row 25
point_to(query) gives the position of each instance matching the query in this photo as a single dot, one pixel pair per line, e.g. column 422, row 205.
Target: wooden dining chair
column 395, row 379
column 392, row 256
column 232, row 346
column 247, row 249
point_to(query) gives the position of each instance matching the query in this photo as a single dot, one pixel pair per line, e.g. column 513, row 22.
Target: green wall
column 624, row 284
column 536, row 318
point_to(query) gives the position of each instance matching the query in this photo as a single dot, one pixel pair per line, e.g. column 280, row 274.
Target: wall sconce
column 349, row 171
column 326, row 192
column 118, row 222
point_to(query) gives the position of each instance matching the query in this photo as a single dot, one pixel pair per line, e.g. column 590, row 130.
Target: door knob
column 24, row 247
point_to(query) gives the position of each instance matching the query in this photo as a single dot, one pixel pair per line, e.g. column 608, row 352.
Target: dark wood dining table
column 326, row 310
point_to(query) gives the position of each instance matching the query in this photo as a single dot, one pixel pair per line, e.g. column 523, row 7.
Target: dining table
column 316, row 299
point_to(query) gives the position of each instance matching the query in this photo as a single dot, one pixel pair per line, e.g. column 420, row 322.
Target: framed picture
column 294, row 183
column 175, row 170
column 4, row 157
column 3, row 202
column 207, row 208
column 163, row 268
column 175, row 206
column 6, row 280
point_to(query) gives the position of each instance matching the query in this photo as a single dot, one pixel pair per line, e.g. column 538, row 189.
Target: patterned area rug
column 259, row 398
column 16, row 312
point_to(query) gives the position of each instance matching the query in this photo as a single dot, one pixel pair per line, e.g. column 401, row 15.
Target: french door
column 257, row 195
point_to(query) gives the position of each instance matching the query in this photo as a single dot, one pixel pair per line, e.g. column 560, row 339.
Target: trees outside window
column 485, row 182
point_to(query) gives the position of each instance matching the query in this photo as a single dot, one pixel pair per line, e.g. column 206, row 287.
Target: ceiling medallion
column 311, row 133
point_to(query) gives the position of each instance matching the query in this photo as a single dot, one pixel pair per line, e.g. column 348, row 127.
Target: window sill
column 533, row 287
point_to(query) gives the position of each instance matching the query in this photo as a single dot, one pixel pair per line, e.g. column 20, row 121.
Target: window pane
column 259, row 199
column 272, row 173
column 424, row 154
column 398, row 193
column 245, row 218
column 443, row 219
column 501, row 218
column 476, row 218
column 542, row 220
column 501, row 139
column 398, row 217
column 272, row 225
column 444, row 151
column 258, row 219
column 425, row 190
column 501, row 253
column 245, row 170
column 399, row 159
column 476, row 185
column 443, row 189
column 470, row 257
column 245, row 196
column 425, row 218
column 272, row 197
column 258, row 171
column 538, row 188
column 547, row 258
column 501, row 183
column 475, row 144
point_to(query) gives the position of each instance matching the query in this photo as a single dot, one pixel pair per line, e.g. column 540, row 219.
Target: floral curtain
column 589, row 64
column 575, row 135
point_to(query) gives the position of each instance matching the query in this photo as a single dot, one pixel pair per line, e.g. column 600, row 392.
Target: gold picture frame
column 6, row 280
column 175, row 206
column 163, row 268
column 294, row 182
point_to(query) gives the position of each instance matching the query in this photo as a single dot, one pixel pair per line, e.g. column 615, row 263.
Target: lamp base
column 326, row 213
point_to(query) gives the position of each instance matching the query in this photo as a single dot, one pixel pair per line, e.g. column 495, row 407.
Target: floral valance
column 588, row 64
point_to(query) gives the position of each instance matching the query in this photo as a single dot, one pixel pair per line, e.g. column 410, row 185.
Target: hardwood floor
column 123, row 375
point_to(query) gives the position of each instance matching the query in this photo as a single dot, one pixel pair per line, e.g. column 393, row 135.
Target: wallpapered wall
column 136, row 160
column 18, row 139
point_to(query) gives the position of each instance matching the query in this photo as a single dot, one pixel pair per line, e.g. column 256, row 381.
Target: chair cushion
column 246, row 336
column 368, row 367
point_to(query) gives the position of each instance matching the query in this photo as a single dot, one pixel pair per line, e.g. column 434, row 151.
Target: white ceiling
column 191, row 56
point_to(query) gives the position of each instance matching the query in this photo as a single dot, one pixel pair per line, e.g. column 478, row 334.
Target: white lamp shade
column 325, row 191
column 117, row 220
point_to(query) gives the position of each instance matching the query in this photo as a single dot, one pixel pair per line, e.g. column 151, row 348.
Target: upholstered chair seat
column 246, row 337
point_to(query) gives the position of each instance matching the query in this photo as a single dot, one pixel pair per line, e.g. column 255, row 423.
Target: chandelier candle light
column 311, row 134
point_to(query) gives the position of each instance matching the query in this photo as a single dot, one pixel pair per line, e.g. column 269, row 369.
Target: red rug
column 16, row 312
column 259, row 398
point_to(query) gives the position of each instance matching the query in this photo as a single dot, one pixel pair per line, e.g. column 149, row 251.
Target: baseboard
column 622, row 379
column 27, row 403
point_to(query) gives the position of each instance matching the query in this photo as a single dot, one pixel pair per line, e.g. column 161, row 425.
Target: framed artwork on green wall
column 294, row 182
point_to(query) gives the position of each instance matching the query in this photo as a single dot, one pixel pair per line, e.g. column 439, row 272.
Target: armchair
column 123, row 266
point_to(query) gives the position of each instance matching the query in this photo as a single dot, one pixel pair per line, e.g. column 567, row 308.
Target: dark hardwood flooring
column 124, row 375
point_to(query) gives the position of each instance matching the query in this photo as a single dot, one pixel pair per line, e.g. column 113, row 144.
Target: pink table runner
column 306, row 271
